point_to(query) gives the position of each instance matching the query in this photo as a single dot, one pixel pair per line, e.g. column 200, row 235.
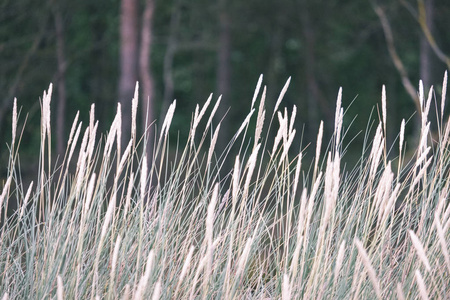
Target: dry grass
column 124, row 225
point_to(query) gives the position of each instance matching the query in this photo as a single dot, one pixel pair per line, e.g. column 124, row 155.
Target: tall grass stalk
column 119, row 223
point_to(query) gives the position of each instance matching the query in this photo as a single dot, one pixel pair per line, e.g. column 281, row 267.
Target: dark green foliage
column 266, row 37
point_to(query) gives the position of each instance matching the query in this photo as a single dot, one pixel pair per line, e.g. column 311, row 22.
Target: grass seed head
column 422, row 288
column 420, row 250
column 370, row 270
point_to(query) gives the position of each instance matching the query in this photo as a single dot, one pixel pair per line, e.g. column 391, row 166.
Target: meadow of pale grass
column 121, row 225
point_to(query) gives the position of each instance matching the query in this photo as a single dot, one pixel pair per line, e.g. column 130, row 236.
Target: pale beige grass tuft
column 25, row 200
column 338, row 120
column 197, row 118
column 243, row 258
column 383, row 106
column 213, row 144
column 258, row 87
column 145, row 278
column 157, row 290
column 185, row 268
column 60, row 288
column 128, row 196
column 286, row 293
column 419, row 248
column 370, row 270
column 281, row 96
column 126, row 292
column 260, row 118
column 168, row 119
column 114, row 262
column 421, row 284
column 134, row 105
column 5, row 191
column 318, row 148
column 282, row 130
column 250, row 168
column 444, row 93
column 119, row 129
column 377, row 151
column 399, row 289
column 209, row 223
column 213, row 112
column 14, row 122
column 143, row 186
column 442, row 241
column 339, row 261
column 402, row 136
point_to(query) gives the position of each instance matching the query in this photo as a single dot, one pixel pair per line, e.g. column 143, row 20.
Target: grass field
column 112, row 223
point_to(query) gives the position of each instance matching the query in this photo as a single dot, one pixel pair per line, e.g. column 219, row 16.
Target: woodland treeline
column 95, row 51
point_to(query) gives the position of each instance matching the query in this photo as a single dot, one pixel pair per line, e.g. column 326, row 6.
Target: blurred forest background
column 95, row 51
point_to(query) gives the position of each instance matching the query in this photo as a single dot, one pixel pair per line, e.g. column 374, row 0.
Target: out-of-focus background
column 95, row 51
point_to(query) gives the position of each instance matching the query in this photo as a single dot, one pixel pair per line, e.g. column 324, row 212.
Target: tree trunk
column 223, row 71
column 61, row 83
column 425, row 48
column 316, row 101
column 409, row 87
column 128, row 62
column 426, row 56
column 424, row 18
column 145, row 72
column 312, row 86
column 168, row 61
column 273, row 63
column 7, row 101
